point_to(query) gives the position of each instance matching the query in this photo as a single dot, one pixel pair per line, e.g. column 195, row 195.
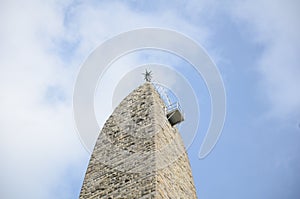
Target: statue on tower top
column 148, row 75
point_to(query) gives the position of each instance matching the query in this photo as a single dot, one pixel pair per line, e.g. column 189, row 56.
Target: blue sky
column 255, row 45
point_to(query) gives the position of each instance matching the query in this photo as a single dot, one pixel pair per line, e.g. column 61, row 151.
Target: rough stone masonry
column 139, row 154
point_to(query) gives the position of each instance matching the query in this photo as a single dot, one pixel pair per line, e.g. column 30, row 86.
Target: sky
column 255, row 45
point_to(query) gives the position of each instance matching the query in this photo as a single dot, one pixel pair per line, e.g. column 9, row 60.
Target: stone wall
column 138, row 153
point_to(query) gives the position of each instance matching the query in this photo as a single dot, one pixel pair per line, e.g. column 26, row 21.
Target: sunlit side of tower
column 139, row 153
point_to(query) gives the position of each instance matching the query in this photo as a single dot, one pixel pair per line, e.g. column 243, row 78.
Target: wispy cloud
column 37, row 135
column 275, row 26
column 42, row 47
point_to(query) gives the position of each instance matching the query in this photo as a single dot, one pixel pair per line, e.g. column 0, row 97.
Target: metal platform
column 174, row 114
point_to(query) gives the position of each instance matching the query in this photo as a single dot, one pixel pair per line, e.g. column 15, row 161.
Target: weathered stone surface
column 138, row 153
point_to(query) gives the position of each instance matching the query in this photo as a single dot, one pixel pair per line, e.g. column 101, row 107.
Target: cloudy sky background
column 255, row 45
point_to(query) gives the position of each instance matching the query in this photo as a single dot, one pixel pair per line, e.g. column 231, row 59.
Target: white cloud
column 37, row 136
column 94, row 23
column 37, row 139
column 275, row 26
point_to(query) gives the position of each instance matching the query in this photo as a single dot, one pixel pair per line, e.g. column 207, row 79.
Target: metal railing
column 173, row 107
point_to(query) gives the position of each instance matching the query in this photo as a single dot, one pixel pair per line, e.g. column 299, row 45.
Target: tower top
column 147, row 75
column 138, row 153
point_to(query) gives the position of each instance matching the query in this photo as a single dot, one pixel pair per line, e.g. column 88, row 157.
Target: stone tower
column 139, row 154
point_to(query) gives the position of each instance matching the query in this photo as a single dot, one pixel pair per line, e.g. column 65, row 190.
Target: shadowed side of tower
column 138, row 153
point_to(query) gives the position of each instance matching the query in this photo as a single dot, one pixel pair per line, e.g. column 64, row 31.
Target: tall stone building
column 139, row 154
